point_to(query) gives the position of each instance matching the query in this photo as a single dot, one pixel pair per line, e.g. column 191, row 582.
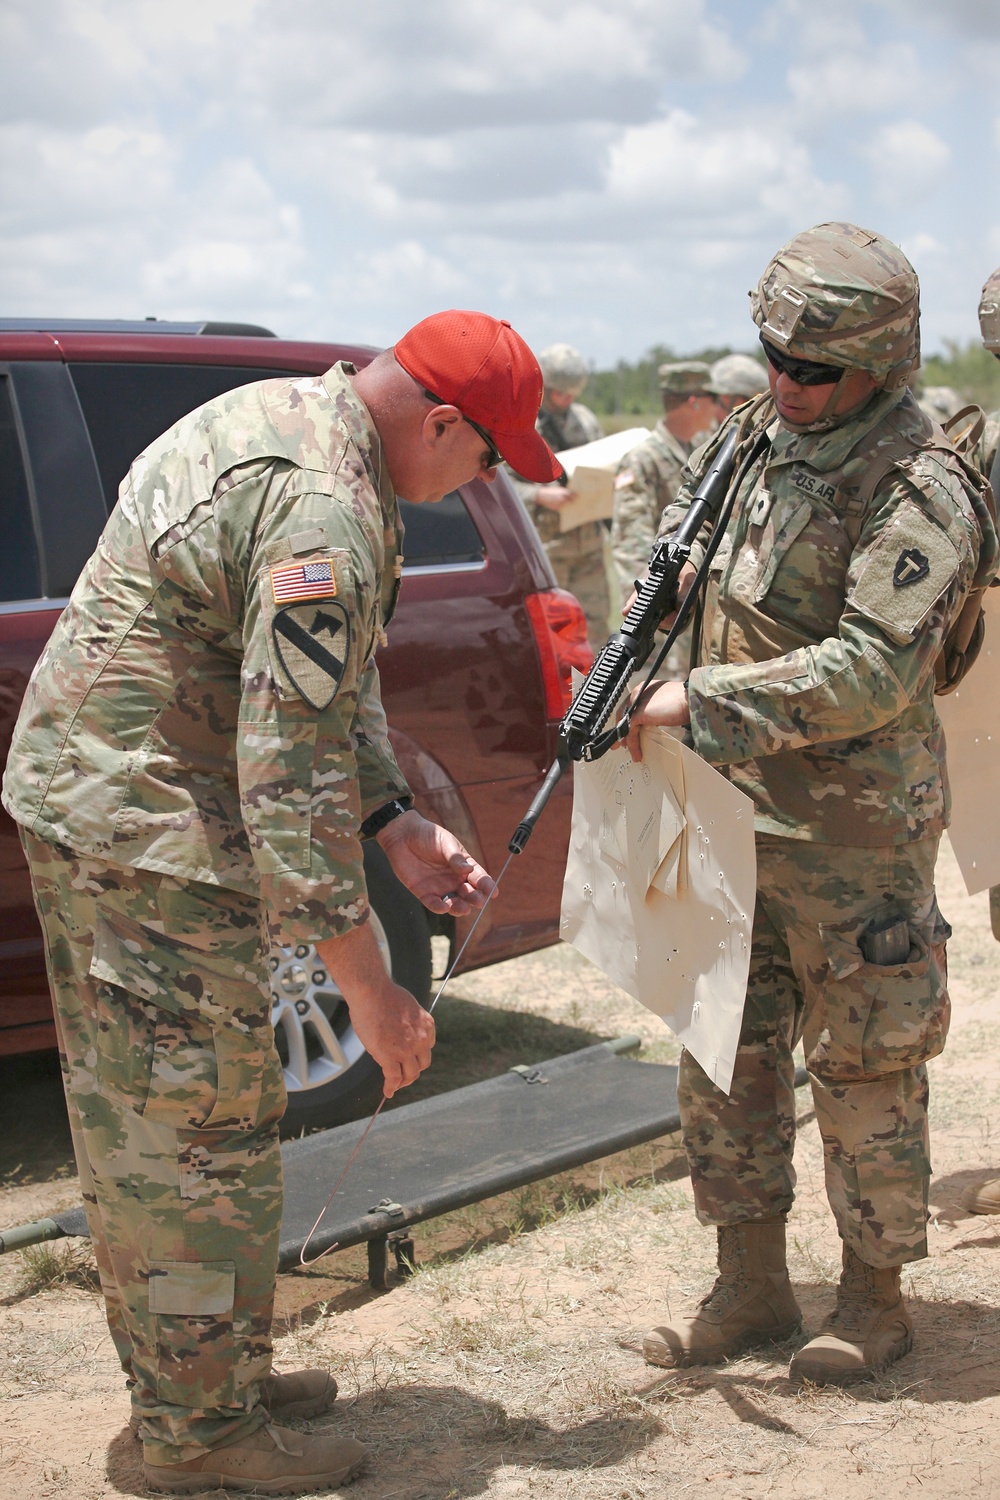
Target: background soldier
column 201, row 749
column 735, row 378
column 851, row 548
column 984, row 1197
column 989, row 325
column 649, row 478
column 939, row 402
column 578, row 557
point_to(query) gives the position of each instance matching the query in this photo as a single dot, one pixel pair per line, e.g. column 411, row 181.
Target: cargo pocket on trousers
column 878, row 1018
column 192, row 1304
column 195, row 1024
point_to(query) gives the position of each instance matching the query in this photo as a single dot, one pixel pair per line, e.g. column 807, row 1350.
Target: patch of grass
column 373, row 1373
column 57, row 1265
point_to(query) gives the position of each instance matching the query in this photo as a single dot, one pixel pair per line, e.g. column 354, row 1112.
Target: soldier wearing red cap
column 201, row 751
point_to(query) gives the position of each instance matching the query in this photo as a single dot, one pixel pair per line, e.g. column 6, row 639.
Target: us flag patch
column 313, row 580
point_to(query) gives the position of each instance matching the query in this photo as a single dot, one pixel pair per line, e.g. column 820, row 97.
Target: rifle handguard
column 655, row 597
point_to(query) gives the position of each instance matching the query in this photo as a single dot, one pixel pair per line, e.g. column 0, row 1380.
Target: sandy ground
column 508, row 1365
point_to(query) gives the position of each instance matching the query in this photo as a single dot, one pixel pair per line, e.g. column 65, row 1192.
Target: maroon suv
column 474, row 679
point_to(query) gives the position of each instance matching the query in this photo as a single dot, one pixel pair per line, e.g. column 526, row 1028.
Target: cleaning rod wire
column 364, row 1134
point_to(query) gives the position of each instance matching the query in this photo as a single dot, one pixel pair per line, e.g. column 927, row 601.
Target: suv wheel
column 329, row 1076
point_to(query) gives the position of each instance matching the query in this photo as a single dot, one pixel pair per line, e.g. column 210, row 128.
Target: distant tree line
column 968, row 369
column 632, row 389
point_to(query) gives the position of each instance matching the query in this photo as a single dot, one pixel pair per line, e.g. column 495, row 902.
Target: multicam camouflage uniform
column 649, row 477
column 850, row 550
column 648, row 480
column 577, row 556
column 985, row 459
column 646, row 483
column 986, row 450
column 199, row 742
column 989, row 323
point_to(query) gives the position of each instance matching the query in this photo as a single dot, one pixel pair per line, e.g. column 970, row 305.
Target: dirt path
column 508, row 1365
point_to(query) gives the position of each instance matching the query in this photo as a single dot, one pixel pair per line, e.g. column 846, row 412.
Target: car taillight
column 560, row 628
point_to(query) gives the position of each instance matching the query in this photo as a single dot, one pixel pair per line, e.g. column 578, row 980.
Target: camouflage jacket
column 208, row 704
column 986, row 448
column 562, row 429
column 648, row 480
column 825, row 611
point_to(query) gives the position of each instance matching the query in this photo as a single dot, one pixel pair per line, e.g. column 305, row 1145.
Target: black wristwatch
column 383, row 816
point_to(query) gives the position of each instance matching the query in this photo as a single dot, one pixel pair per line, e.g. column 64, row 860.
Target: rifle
column 580, row 736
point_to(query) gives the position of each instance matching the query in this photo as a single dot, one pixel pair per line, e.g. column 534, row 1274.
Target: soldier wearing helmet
column 577, row 556
column 989, row 325
column 984, row 1197
column 939, row 402
column 735, row 378
column 853, row 542
column 649, row 478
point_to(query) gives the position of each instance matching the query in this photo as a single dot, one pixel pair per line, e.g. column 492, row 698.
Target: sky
column 610, row 173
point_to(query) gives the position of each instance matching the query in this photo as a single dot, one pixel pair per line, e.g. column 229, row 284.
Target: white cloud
column 751, row 174
column 101, row 221
column 611, row 171
column 907, row 160
column 972, row 18
column 843, row 82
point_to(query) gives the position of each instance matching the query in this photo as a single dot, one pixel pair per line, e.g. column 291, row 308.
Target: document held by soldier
column 659, row 890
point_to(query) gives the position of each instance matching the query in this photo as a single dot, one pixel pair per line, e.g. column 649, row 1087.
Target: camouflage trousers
column 174, row 1092
column 867, row 1032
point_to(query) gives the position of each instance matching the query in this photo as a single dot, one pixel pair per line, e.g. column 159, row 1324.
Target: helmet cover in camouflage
column 940, row 402
column 989, row 313
column 563, row 369
column 690, row 377
column 840, row 295
column 738, row 375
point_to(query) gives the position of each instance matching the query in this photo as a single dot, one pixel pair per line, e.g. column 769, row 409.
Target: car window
column 128, row 405
column 443, row 533
column 19, row 575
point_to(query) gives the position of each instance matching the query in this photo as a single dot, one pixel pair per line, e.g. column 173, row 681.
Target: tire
column 329, row 1076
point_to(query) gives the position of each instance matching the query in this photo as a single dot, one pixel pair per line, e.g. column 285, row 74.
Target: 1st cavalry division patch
column 313, row 642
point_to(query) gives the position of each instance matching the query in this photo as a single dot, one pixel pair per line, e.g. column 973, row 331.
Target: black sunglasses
column 802, row 371
column 494, row 458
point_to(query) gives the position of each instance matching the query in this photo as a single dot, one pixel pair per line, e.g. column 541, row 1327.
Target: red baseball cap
column 480, row 365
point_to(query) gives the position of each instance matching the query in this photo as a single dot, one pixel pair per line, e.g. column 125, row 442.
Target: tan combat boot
column 869, row 1328
column 298, row 1394
column 271, row 1461
column 752, row 1302
column 289, row 1397
column 982, row 1198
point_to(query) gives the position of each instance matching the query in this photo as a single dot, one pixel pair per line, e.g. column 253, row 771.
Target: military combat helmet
column 844, row 296
column 738, row 375
column 689, row 377
column 563, row 369
column 989, row 313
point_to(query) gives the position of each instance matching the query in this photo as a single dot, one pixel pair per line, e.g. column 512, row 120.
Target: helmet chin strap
column 827, row 419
